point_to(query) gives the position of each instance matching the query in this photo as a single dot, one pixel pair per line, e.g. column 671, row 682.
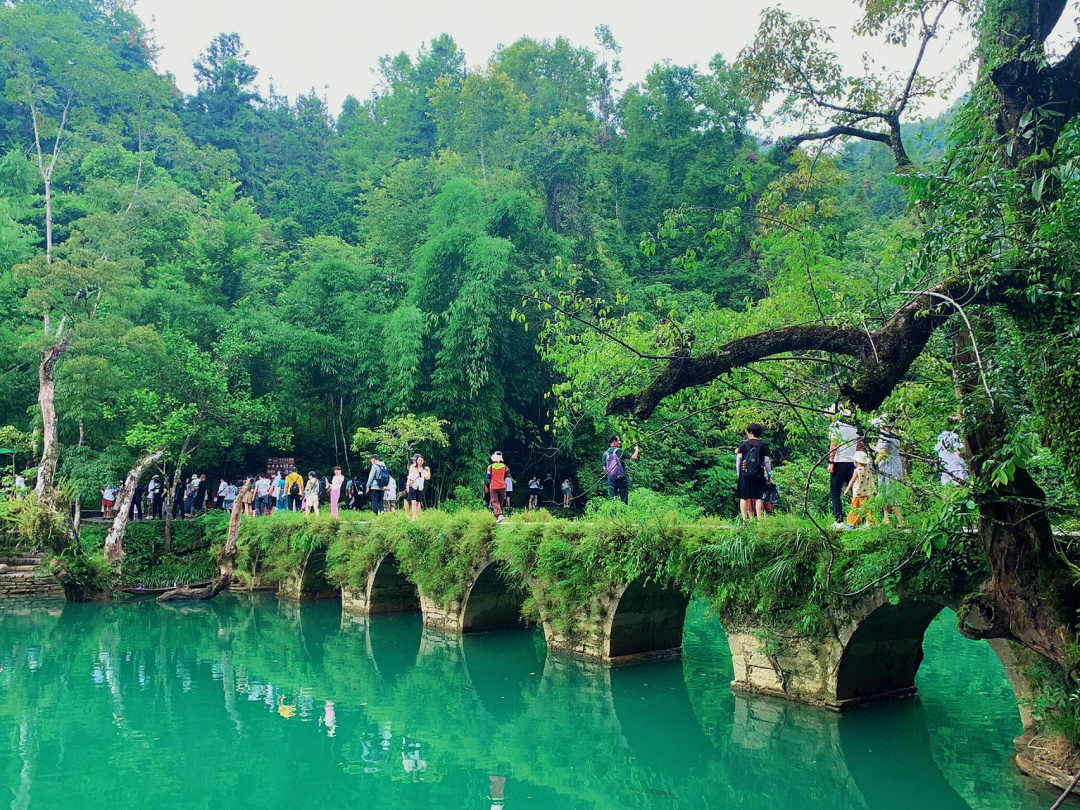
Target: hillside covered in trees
column 245, row 275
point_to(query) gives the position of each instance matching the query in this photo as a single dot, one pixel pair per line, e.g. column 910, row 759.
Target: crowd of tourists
column 279, row 490
column 857, row 474
column 286, row 490
column 853, row 472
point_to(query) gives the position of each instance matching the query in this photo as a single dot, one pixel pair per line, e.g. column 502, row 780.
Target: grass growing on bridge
column 783, row 569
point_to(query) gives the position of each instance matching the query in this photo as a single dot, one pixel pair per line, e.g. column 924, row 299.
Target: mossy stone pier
column 873, row 655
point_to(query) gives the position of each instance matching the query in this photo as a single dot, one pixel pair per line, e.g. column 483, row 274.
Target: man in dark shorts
column 754, row 466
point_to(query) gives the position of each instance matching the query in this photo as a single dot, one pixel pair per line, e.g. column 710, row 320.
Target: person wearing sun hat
column 843, row 442
column 861, row 487
column 497, row 473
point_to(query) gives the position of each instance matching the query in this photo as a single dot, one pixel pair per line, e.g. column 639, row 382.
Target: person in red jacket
column 497, row 473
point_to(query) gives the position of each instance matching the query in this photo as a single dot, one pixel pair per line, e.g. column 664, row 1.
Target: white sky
column 333, row 45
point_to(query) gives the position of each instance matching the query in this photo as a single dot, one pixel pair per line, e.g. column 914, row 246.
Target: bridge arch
column 386, row 590
column 644, row 622
column 881, row 657
column 881, row 650
column 389, row 590
column 492, row 600
column 308, row 581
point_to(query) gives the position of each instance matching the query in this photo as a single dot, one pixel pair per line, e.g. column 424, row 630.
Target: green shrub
column 192, row 557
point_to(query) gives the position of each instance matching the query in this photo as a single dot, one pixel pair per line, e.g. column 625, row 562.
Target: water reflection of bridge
column 483, row 700
column 497, row 703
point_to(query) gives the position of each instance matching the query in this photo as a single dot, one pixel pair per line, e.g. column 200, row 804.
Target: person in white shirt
column 419, row 473
column 390, row 495
column 311, row 494
column 843, row 442
column 277, row 493
column 509, row 489
column 950, row 450
column 262, row 493
column 108, row 500
column 336, row 483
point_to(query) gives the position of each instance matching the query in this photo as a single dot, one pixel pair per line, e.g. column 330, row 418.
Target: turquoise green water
column 251, row 703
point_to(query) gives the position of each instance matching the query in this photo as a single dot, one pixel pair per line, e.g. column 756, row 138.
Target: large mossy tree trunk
column 226, row 560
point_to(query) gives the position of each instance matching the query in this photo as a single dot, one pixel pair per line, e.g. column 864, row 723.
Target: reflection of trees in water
column 375, row 701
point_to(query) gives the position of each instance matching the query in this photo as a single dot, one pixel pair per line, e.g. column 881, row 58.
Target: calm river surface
column 251, row 703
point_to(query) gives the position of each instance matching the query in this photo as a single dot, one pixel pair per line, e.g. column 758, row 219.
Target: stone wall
column 24, row 576
column 437, row 617
column 784, row 665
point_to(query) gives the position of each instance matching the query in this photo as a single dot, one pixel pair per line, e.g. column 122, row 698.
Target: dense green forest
column 528, row 255
column 247, row 275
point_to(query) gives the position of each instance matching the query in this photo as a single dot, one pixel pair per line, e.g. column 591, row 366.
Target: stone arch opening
column 883, row 655
column 389, row 590
column 493, row 602
column 309, row 582
column 646, row 622
column 954, row 673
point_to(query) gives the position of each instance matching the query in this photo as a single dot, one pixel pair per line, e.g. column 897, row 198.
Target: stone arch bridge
column 872, row 655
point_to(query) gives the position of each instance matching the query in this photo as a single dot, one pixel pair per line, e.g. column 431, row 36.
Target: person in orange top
column 497, row 473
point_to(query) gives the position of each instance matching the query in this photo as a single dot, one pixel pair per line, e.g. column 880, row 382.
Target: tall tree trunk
column 48, row 220
column 1030, row 596
column 172, row 497
column 114, row 539
column 50, row 450
column 76, row 520
column 226, row 560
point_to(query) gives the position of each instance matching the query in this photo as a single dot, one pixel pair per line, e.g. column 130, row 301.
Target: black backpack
column 751, row 463
column 382, row 476
column 294, row 489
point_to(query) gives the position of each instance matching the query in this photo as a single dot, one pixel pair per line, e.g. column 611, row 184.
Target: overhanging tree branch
column 884, row 355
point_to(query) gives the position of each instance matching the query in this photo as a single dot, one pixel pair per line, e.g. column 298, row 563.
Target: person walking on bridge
column 419, row 473
column 377, row 479
column 843, row 442
column 311, row 494
column 294, row 489
column 337, row 481
column 497, row 473
column 615, row 459
column 754, row 466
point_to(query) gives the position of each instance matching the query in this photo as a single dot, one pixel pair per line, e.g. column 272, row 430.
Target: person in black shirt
column 754, row 467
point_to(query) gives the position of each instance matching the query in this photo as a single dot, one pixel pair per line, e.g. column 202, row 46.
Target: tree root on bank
column 188, row 593
column 226, row 562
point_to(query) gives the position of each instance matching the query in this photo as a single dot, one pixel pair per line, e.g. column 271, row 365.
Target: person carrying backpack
column 615, row 459
column 497, row 473
column 294, row 489
column 377, row 479
column 754, row 467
